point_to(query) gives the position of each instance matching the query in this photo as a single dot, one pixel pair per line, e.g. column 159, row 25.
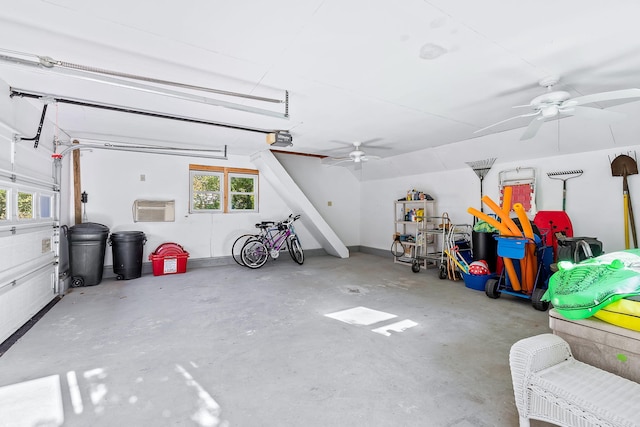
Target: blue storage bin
column 476, row 282
column 511, row 247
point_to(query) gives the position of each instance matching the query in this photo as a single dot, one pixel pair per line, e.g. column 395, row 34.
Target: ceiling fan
column 558, row 103
column 357, row 156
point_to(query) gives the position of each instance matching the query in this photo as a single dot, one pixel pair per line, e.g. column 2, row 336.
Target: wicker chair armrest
column 531, row 355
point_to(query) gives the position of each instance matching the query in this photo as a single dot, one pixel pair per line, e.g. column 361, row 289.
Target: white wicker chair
column 550, row 385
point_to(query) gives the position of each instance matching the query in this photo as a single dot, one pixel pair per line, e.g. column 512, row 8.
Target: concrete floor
column 229, row 346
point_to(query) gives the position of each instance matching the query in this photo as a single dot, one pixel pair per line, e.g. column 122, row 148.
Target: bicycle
column 256, row 252
column 236, row 249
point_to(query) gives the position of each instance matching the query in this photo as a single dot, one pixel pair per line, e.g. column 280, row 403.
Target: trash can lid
column 127, row 234
column 89, row 228
column 169, row 249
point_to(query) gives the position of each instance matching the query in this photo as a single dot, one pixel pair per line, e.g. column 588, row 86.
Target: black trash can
column 87, row 246
column 127, row 249
column 485, row 247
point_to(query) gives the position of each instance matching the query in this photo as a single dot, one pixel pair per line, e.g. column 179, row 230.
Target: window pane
column 206, row 183
column 25, row 205
column 241, row 185
column 206, row 201
column 45, row 206
column 242, row 201
column 3, row 204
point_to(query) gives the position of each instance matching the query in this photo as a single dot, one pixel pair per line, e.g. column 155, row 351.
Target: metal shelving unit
column 415, row 231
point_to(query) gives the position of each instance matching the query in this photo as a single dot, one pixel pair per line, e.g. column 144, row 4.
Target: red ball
column 479, row 268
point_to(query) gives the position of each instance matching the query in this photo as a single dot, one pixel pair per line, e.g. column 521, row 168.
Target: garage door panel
column 23, row 298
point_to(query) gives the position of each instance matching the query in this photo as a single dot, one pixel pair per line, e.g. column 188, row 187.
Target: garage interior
column 336, row 112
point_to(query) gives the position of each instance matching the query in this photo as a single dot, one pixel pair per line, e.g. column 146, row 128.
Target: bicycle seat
column 264, row 224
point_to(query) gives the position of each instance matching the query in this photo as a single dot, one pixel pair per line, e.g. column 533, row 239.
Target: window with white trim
column 3, row 204
column 25, row 205
column 221, row 189
column 242, row 192
column 206, row 191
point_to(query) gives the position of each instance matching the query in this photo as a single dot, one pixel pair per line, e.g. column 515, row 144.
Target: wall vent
column 154, row 211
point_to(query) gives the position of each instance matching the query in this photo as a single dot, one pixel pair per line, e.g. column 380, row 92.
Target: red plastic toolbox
column 169, row 258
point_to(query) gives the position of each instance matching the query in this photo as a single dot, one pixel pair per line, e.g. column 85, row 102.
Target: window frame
column 7, row 204
column 34, row 208
column 192, row 173
column 226, row 173
column 241, row 173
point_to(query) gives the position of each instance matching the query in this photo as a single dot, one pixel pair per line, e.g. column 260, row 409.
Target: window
column 3, row 204
column 220, row 189
column 25, row 205
column 45, row 206
column 206, row 191
column 242, row 192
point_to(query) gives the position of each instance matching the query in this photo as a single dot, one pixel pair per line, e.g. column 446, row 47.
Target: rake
column 564, row 176
column 481, row 168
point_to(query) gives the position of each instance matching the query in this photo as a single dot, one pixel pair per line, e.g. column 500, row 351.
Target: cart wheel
column 77, row 282
column 119, row 277
column 491, row 288
column 536, row 297
column 443, row 272
column 415, row 266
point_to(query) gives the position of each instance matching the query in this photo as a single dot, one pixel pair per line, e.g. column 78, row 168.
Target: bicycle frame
column 275, row 238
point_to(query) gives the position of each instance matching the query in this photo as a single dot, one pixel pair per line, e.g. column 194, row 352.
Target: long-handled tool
column 564, row 176
column 482, row 168
column 625, row 165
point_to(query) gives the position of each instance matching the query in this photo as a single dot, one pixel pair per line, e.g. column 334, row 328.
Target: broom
column 481, row 168
column 564, row 176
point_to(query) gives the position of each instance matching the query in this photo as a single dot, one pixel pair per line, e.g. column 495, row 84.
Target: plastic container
column 127, row 247
column 87, row 246
column 169, row 258
column 485, row 247
column 511, row 247
column 476, row 282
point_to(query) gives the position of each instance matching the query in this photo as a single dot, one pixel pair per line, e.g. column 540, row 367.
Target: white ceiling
column 401, row 76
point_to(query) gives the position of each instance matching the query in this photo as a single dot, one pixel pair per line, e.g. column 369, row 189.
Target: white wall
column 594, row 200
column 323, row 184
column 112, row 181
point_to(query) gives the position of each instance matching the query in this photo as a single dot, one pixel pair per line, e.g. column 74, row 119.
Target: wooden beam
column 77, row 187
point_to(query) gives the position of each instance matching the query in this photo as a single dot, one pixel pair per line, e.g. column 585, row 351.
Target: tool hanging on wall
column 481, row 168
column 625, row 165
column 564, row 176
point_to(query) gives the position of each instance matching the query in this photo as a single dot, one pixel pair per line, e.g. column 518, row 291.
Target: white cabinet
column 414, row 222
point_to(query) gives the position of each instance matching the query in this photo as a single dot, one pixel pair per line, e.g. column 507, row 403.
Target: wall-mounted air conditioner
column 154, row 211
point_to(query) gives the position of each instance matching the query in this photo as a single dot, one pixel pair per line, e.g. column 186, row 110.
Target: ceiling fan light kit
column 555, row 103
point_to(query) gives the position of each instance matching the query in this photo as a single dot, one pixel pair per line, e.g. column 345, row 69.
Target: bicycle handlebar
column 287, row 222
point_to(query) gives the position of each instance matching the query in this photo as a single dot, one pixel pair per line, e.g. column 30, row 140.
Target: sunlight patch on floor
column 32, row 403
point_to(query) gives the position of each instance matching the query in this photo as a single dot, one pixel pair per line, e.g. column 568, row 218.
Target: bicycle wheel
column 236, row 249
column 397, row 248
column 254, row 254
column 295, row 249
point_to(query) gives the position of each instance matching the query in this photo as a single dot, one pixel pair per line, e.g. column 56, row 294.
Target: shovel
column 624, row 166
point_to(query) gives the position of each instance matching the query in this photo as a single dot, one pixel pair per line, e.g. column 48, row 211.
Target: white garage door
column 28, row 233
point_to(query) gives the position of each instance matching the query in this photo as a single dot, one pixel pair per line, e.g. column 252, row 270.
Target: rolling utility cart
column 525, row 280
column 413, row 220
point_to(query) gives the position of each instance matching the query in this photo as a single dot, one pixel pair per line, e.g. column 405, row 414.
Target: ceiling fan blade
column 367, row 158
column 533, row 128
column 509, row 119
column 594, row 113
column 602, row 96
